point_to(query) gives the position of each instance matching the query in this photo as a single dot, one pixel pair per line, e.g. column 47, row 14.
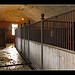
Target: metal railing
column 57, row 30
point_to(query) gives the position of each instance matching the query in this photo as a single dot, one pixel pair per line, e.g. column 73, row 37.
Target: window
column 14, row 26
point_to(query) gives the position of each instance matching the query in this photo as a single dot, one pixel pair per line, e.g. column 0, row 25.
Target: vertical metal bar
column 70, row 30
column 24, row 39
column 56, row 30
column 49, row 32
column 59, row 32
column 21, row 38
column 42, row 35
column 62, row 32
column 73, row 30
column 66, row 30
column 53, row 33
column 5, row 36
column 47, row 24
column 28, row 39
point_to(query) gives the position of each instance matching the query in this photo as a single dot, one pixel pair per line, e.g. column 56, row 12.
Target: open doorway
column 14, row 26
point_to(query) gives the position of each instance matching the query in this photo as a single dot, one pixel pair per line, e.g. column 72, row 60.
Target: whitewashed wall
column 54, row 58
column 58, row 59
column 35, row 54
column 18, row 43
column 23, row 46
column 26, row 48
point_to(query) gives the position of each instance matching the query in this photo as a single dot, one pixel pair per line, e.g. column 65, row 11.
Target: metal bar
column 73, row 30
column 56, row 33
column 28, row 39
column 24, row 39
column 61, row 13
column 66, row 31
column 35, row 23
column 42, row 35
column 62, row 34
column 56, row 21
column 5, row 36
column 70, row 31
column 21, row 38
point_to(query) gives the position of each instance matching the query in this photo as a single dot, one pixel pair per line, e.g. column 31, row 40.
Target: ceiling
column 30, row 12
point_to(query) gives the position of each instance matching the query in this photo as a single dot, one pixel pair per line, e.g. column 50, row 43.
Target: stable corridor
column 10, row 59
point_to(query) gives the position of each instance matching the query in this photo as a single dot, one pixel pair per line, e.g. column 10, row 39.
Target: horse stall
column 2, row 38
column 50, row 43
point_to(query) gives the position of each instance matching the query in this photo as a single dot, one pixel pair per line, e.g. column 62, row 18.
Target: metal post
column 5, row 36
column 24, row 39
column 21, row 38
column 74, row 35
column 28, row 38
column 42, row 38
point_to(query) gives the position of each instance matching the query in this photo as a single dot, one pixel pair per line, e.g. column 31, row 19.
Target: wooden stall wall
column 2, row 38
column 9, row 37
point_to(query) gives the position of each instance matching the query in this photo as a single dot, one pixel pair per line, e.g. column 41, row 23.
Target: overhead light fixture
column 22, row 18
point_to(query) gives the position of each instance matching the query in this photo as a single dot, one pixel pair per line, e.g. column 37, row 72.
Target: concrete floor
column 10, row 59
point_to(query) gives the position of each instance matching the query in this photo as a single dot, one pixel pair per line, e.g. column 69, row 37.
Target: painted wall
column 54, row 58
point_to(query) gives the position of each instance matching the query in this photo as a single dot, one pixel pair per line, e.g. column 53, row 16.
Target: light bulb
column 22, row 18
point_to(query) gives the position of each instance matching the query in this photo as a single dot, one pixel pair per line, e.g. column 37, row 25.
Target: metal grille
column 35, row 32
column 18, row 32
column 26, row 32
column 59, row 30
column 23, row 32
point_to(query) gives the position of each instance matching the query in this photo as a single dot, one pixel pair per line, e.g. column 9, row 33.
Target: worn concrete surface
column 10, row 56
